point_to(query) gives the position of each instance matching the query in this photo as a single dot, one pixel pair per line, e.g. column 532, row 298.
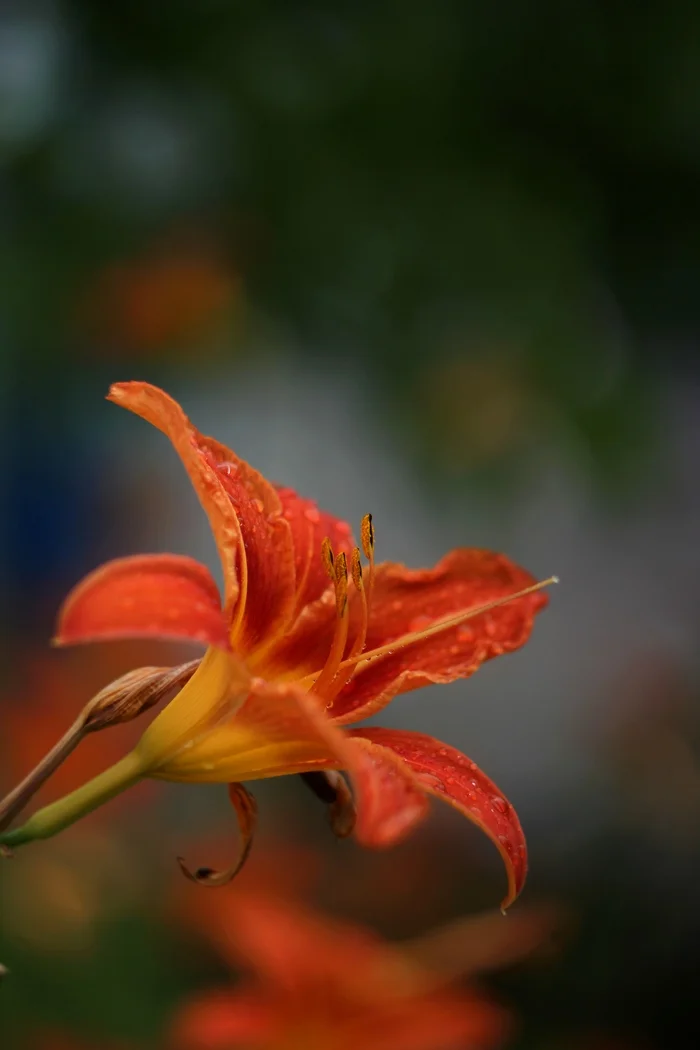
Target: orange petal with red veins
column 309, row 527
column 157, row 408
column 408, row 600
column 449, row 775
column 390, row 799
column 245, row 512
column 281, row 729
column 267, row 569
column 147, row 595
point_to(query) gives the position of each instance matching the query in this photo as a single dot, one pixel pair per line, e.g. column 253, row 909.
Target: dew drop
column 313, row 515
column 490, row 627
column 259, row 505
column 474, row 783
column 465, row 633
column 228, row 468
column 443, row 751
column 499, row 804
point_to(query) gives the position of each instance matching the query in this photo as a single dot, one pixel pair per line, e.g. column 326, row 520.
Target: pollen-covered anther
column 328, row 559
column 341, row 583
column 367, row 536
column 356, row 568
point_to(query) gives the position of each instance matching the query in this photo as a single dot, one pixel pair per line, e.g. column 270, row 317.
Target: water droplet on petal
column 490, row 627
column 313, row 515
column 227, row 468
column 499, row 804
column 465, row 633
column 259, row 505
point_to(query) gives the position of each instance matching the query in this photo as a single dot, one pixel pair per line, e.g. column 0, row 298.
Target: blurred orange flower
column 323, row 984
column 306, row 642
column 162, row 300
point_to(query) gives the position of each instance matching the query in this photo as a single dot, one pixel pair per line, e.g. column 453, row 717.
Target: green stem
column 59, row 815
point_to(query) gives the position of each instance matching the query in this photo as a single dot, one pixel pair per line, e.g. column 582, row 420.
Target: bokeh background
column 435, row 261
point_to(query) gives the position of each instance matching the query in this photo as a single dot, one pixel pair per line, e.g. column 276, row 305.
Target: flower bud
column 133, row 693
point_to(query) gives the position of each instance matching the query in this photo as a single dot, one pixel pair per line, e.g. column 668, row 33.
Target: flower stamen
column 362, row 660
column 367, row 540
column 339, row 568
column 358, row 645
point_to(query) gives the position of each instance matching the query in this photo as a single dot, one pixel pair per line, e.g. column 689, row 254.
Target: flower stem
column 59, row 815
column 17, row 799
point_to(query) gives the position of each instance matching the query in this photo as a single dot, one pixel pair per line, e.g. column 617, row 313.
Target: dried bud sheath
column 132, row 694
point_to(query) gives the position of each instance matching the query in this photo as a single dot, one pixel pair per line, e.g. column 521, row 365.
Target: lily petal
column 157, row 408
column 147, row 595
column 247, row 812
column 280, row 729
column 253, row 538
column 451, row 776
column 267, row 570
column 406, row 601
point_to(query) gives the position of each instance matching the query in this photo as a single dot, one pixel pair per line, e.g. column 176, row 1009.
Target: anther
column 367, row 536
column 356, row 568
column 327, row 558
column 341, row 583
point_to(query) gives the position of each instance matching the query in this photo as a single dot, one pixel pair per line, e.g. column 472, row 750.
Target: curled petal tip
column 206, row 876
column 247, row 812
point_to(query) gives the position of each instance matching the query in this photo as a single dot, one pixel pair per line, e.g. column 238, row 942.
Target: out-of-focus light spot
column 478, row 407
column 32, row 54
column 162, row 301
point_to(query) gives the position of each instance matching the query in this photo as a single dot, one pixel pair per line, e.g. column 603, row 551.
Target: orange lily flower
column 325, row 983
column 304, row 643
